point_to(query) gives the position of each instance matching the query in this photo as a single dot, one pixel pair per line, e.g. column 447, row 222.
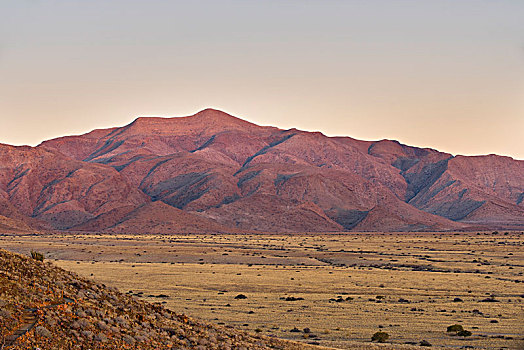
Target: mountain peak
column 209, row 119
column 213, row 111
column 218, row 116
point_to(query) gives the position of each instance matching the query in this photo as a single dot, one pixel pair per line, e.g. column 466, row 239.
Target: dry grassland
column 343, row 288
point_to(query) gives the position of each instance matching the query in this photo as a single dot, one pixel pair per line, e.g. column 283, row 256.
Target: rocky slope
column 221, row 173
column 44, row 189
column 59, row 310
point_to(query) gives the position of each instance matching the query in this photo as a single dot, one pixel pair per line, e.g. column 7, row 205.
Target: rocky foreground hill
column 212, row 172
column 43, row 306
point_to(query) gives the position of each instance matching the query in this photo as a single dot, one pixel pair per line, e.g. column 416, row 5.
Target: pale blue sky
column 441, row 74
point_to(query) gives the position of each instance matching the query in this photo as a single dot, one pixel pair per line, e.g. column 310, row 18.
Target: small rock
column 101, row 337
column 128, row 339
column 42, row 332
column 102, row 325
column 80, row 313
column 5, row 314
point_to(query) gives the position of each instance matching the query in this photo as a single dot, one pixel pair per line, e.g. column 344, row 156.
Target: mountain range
column 212, row 172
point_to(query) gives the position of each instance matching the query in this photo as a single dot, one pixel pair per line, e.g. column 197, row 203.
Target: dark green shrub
column 464, row 333
column 455, row 328
column 37, row 256
column 380, row 337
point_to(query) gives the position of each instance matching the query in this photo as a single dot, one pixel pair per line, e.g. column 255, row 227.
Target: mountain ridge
column 231, row 174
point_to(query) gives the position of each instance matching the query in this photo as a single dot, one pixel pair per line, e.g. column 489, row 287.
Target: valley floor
column 335, row 290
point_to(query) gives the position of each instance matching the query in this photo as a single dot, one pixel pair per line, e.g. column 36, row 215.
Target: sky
column 443, row 74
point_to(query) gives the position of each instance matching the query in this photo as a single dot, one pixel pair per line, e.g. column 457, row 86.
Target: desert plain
column 333, row 290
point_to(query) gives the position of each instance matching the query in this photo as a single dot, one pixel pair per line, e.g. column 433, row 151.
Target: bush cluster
column 37, row 256
column 380, row 337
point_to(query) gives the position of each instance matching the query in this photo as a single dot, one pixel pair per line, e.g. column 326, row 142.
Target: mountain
column 212, row 172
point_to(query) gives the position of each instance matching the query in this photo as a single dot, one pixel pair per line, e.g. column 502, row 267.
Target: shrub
column 464, row 333
column 293, row 298
column 37, row 256
column 455, row 328
column 491, row 299
column 380, row 337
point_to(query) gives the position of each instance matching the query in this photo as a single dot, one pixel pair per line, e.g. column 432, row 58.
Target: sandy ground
column 410, row 285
